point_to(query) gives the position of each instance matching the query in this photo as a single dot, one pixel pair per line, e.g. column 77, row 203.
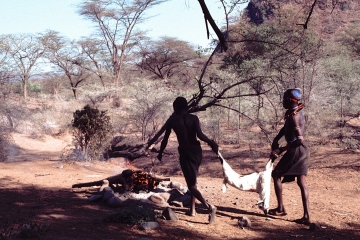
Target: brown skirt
column 295, row 162
column 190, row 160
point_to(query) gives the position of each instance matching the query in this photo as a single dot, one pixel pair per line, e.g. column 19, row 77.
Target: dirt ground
column 36, row 191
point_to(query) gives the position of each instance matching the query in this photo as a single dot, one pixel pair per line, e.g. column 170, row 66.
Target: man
column 295, row 162
column 187, row 129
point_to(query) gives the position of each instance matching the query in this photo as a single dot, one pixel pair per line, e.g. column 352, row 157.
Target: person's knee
column 301, row 182
column 275, row 177
column 192, row 188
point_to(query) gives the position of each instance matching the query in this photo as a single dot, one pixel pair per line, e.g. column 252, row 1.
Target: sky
column 182, row 19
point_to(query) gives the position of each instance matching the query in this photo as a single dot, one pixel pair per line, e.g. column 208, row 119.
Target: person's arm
column 298, row 123
column 164, row 142
column 275, row 148
column 214, row 146
column 275, row 143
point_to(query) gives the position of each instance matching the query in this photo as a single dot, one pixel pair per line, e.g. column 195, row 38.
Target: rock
column 165, row 195
column 95, row 198
column 108, row 193
column 181, row 201
column 104, row 185
column 179, row 186
column 244, row 222
column 174, row 194
column 157, row 199
column 149, row 226
column 169, row 214
column 176, row 185
column 115, row 202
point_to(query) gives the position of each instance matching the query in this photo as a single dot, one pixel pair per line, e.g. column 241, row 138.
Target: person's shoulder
column 192, row 116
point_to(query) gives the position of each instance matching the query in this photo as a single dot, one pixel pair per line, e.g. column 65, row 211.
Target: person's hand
column 275, row 154
column 274, row 145
column 159, row 156
column 214, row 146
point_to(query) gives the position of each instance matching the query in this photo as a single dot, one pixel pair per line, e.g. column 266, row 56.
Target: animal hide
column 257, row 182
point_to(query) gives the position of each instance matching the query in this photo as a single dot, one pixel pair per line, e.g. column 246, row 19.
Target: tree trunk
column 25, row 88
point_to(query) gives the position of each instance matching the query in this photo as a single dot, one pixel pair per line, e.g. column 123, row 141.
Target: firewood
column 131, row 180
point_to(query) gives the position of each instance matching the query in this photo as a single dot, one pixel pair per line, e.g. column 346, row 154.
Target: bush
column 133, row 214
column 91, row 131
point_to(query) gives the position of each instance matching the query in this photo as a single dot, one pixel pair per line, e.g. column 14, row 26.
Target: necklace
column 295, row 111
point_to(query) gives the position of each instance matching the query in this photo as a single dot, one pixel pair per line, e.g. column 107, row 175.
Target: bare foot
column 277, row 212
column 212, row 213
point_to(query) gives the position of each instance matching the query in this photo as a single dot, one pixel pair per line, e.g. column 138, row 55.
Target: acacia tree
column 166, row 58
column 5, row 75
column 147, row 102
column 116, row 21
column 68, row 58
column 350, row 39
column 99, row 63
column 25, row 50
column 342, row 74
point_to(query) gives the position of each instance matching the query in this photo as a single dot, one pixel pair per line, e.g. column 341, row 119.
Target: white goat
column 256, row 182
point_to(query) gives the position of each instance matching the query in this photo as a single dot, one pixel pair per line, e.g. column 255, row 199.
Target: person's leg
column 192, row 205
column 280, row 210
column 278, row 193
column 301, row 181
column 195, row 193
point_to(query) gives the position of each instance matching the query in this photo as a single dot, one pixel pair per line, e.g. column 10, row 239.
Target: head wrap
column 293, row 94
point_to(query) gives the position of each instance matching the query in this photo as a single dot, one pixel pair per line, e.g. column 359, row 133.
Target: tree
column 350, row 38
column 67, row 56
column 166, row 58
column 91, row 129
column 25, row 50
column 148, row 100
column 5, row 74
column 116, row 21
column 342, row 72
column 99, row 63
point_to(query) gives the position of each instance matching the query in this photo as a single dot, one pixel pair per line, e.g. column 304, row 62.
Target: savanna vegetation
column 47, row 80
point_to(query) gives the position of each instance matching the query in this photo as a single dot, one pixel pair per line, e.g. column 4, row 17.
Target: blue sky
column 182, row 19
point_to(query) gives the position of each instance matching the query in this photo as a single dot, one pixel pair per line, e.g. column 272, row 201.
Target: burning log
column 130, row 180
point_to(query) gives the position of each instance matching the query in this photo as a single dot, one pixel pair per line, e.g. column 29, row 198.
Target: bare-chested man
column 187, row 129
column 295, row 161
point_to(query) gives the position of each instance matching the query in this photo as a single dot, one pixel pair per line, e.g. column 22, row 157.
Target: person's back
column 184, row 127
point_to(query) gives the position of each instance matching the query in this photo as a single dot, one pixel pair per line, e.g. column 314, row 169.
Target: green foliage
column 91, row 129
column 34, row 87
column 133, row 214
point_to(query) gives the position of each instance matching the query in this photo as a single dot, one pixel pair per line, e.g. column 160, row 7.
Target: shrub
column 133, row 214
column 91, row 130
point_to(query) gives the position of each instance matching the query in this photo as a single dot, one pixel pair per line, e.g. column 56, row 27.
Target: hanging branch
column 305, row 25
column 209, row 18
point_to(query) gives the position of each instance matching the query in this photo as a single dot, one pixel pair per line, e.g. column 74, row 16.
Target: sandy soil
column 36, row 191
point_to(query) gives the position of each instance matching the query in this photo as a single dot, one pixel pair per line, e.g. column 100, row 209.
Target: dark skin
column 187, row 136
column 292, row 130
